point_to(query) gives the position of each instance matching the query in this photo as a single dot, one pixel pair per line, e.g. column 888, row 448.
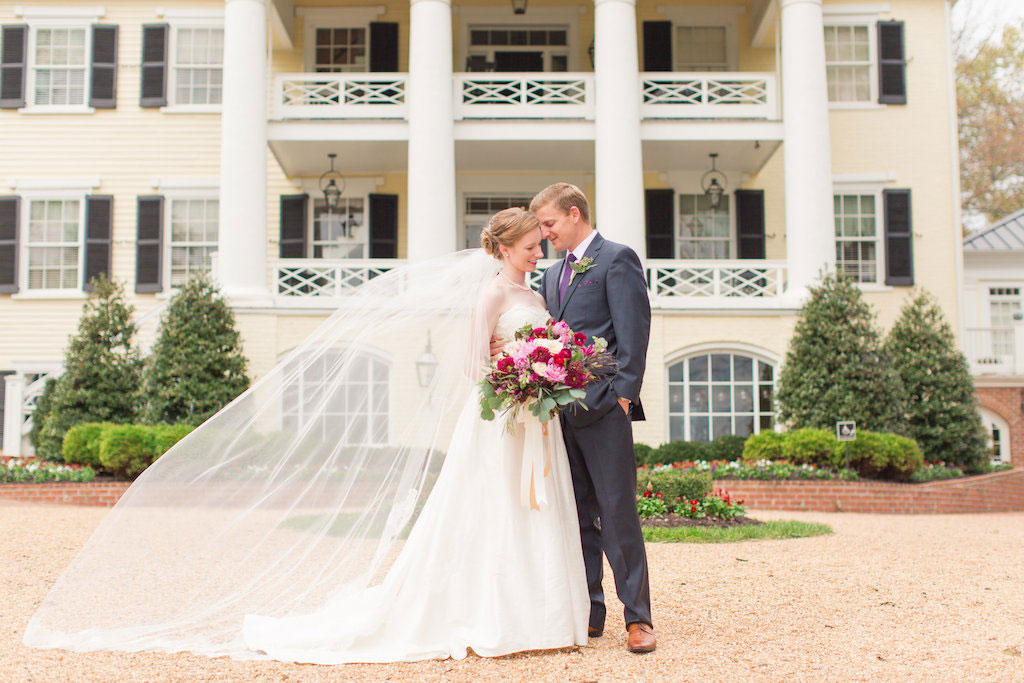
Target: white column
column 810, row 229
column 431, row 221
column 618, row 157
column 14, row 400
column 242, row 240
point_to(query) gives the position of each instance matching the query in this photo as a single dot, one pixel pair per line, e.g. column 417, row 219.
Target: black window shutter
column 12, row 66
column 899, row 238
column 892, row 63
column 292, row 241
column 657, row 46
column 149, row 244
column 383, row 226
column 383, row 46
column 658, row 205
column 9, row 210
column 154, row 65
column 750, row 223
column 103, row 76
column 99, row 216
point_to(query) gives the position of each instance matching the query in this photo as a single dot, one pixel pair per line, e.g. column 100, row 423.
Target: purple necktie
column 566, row 276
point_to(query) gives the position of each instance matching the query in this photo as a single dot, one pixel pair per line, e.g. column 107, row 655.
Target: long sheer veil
column 303, row 487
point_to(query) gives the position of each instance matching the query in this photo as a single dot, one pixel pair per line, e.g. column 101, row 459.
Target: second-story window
column 703, row 233
column 341, row 232
column 198, row 67
column 1003, row 304
column 848, row 63
column 856, row 217
column 54, row 244
column 340, row 49
column 193, row 237
column 518, row 48
column 60, row 60
column 701, row 48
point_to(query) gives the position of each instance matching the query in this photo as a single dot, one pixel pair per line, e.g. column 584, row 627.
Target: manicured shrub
column 942, row 409
column 82, row 443
column 165, row 436
column 126, row 450
column 883, row 456
column 726, row 447
column 763, row 446
column 675, row 483
column 679, row 451
column 836, row 368
column 810, row 446
column 641, row 453
column 197, row 365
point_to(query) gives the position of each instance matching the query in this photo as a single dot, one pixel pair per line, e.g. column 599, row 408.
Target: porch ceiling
column 309, row 158
column 692, row 155
column 508, row 156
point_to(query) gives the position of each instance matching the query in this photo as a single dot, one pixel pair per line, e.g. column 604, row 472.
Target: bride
column 321, row 518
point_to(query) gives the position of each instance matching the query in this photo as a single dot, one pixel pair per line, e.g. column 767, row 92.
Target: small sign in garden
column 846, row 430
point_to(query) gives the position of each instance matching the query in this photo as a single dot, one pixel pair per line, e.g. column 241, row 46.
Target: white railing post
column 14, row 413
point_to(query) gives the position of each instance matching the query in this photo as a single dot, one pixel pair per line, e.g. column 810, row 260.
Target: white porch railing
column 297, row 279
column 730, row 95
column 340, row 95
column 991, row 350
column 524, row 96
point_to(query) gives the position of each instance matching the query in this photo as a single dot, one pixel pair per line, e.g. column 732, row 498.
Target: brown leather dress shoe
column 594, row 632
column 640, row 638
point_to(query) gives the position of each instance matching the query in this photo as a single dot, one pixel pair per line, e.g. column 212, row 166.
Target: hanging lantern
column 713, row 189
column 329, row 186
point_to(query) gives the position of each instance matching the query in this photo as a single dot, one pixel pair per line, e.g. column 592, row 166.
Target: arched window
column 998, row 434
column 355, row 403
column 717, row 393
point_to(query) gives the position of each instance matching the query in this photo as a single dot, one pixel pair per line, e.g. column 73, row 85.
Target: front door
column 519, row 61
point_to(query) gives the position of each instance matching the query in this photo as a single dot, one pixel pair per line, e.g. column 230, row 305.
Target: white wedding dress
column 482, row 569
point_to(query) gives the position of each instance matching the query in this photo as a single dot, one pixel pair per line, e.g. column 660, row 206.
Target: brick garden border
column 996, row 492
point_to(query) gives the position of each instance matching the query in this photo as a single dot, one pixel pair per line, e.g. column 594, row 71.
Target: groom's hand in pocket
column 624, row 404
column 497, row 344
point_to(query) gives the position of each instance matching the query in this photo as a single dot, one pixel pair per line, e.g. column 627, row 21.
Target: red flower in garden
column 693, row 509
column 693, row 502
column 658, row 495
column 647, row 494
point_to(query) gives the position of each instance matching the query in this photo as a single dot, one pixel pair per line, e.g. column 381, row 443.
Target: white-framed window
column 340, row 233
column 478, row 209
column 857, row 230
column 341, row 49
column 1003, row 303
column 701, row 48
column 522, row 47
column 53, row 248
column 850, row 62
column 702, row 233
column 356, row 403
column 60, row 64
column 714, row 393
column 998, row 431
column 196, row 65
column 192, row 223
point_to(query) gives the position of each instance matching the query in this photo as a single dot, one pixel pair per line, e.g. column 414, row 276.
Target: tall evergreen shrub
column 102, row 367
column 197, row 365
column 836, row 367
column 942, row 409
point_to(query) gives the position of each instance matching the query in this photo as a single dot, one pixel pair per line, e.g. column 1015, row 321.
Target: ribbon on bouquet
column 537, row 449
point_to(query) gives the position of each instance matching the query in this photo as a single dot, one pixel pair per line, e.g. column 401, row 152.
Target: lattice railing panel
column 726, row 280
column 556, row 95
column 340, row 95
column 679, row 95
column 312, row 280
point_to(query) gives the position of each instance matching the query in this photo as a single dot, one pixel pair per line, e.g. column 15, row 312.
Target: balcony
column 995, row 350
column 666, row 95
column 671, row 284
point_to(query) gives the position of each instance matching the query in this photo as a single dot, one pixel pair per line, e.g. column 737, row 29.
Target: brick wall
column 1007, row 403
column 65, row 493
column 996, row 492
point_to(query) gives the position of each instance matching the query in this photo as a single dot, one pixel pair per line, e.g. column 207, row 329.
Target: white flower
column 552, row 345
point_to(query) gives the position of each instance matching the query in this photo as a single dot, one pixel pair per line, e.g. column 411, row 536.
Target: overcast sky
column 982, row 19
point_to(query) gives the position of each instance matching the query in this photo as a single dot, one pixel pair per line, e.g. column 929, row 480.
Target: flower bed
column 938, row 471
column 37, row 471
column 778, row 470
column 653, row 505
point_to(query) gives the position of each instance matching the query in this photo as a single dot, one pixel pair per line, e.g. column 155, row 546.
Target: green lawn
column 768, row 530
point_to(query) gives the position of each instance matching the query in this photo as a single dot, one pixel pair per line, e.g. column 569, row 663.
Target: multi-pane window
column 714, row 394
column 340, row 232
column 703, row 233
column 480, row 208
column 350, row 406
column 54, row 243
column 848, row 63
column 1003, row 303
column 701, row 48
column 193, row 237
column 518, row 49
column 857, row 236
column 198, row 65
column 340, row 49
column 60, row 62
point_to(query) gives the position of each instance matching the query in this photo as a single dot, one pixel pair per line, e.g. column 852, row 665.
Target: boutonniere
column 581, row 266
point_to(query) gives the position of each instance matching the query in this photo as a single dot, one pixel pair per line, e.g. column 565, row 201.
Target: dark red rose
column 580, row 339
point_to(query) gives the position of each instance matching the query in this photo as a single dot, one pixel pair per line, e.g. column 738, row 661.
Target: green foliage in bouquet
column 836, row 367
column 197, row 366
column 102, row 368
column 942, row 409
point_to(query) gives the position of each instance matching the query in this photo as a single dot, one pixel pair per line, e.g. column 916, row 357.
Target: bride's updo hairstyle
column 506, row 228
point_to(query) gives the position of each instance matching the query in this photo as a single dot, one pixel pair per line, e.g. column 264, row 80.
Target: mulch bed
column 679, row 520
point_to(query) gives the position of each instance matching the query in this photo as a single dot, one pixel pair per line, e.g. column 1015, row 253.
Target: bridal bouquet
column 543, row 369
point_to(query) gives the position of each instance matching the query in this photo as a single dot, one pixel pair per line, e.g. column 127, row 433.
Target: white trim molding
column 190, row 14
column 877, row 8
column 174, row 184
column 33, row 13
column 863, row 178
column 57, row 184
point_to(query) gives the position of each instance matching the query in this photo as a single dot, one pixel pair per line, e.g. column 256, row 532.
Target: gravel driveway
column 886, row 597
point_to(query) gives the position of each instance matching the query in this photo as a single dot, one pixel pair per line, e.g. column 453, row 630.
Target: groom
column 599, row 289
